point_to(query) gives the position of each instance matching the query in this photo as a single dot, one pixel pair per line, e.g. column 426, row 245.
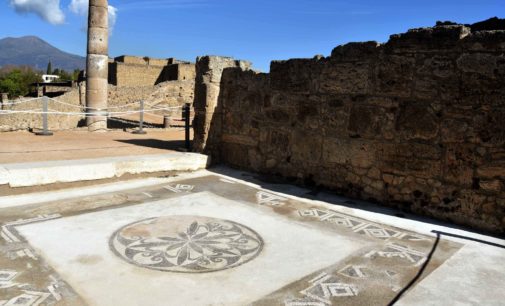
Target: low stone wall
column 167, row 94
column 172, row 93
column 56, row 122
column 416, row 123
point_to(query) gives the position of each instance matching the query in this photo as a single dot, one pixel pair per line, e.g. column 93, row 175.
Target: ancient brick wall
column 417, row 123
column 132, row 71
column 128, row 75
column 179, row 72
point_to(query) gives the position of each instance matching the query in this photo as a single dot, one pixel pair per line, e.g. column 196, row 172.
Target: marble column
column 97, row 66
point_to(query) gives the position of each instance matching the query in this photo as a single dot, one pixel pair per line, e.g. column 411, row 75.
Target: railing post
column 4, row 101
column 45, row 128
column 187, row 114
column 167, row 121
column 141, row 131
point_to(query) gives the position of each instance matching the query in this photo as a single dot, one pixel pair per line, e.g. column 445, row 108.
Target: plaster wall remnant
column 97, row 65
column 415, row 123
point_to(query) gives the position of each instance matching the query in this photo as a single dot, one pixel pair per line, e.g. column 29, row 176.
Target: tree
column 49, row 68
column 16, row 80
column 75, row 74
column 64, row 76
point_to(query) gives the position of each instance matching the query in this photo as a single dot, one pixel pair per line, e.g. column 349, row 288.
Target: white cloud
column 80, row 7
column 49, row 10
column 112, row 16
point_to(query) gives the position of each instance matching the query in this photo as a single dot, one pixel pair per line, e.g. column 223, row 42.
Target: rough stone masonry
column 416, row 123
column 97, row 65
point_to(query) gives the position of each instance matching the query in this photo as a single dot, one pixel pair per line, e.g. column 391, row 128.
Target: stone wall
column 125, row 75
column 171, row 93
column 179, row 72
column 158, row 82
column 166, row 94
column 56, row 122
column 416, row 123
column 207, row 103
column 131, row 71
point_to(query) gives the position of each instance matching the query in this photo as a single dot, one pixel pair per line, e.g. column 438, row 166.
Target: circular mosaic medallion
column 186, row 244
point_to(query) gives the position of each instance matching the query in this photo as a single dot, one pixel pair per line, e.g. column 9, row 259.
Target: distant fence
column 123, row 113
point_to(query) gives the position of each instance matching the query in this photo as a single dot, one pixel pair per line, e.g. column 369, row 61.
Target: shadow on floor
column 178, row 145
column 122, row 123
column 281, row 185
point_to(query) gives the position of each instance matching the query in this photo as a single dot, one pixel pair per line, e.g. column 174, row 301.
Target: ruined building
column 158, row 82
column 133, row 71
column 415, row 123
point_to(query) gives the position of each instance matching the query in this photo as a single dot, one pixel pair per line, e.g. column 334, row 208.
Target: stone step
column 67, row 171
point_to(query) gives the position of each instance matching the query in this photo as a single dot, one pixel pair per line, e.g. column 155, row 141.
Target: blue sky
column 259, row 31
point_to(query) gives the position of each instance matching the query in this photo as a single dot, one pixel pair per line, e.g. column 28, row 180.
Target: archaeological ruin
column 416, row 123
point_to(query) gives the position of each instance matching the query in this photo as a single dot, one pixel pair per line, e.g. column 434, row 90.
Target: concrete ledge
column 4, row 176
column 66, row 171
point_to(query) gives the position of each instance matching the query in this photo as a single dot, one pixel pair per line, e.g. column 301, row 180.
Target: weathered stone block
column 355, row 51
column 308, row 115
column 335, row 113
column 353, row 152
column 492, row 171
column 437, row 65
column 419, row 160
column 240, row 139
column 490, row 128
column 426, row 88
column 279, row 115
column 454, row 130
column 295, row 75
column 480, row 63
column 306, row 147
column 484, row 41
column 369, row 121
column 345, row 78
column 417, row 121
column 394, row 75
column 492, row 186
column 236, row 155
column 459, row 164
column 439, row 37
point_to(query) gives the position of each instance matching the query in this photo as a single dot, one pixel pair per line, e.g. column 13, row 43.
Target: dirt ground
column 20, row 147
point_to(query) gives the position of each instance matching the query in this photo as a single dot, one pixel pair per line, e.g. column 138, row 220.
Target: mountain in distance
column 35, row 52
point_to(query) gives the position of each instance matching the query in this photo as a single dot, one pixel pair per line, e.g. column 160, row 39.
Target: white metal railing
column 111, row 112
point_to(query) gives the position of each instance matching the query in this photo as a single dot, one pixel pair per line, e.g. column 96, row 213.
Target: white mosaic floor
column 207, row 239
column 81, row 255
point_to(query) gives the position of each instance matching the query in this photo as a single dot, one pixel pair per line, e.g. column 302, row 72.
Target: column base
column 97, row 124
